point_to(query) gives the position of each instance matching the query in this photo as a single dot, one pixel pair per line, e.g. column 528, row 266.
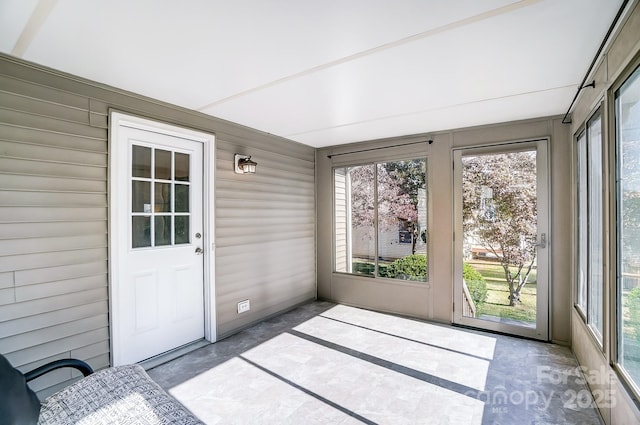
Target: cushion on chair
column 18, row 404
column 118, row 395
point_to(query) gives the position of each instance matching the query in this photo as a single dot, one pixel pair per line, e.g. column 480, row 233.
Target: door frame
column 543, row 309
column 116, row 150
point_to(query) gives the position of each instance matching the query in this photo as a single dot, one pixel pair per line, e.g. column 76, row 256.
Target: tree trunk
column 514, row 296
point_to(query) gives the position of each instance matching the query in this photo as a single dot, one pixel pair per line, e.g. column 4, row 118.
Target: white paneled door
column 157, row 296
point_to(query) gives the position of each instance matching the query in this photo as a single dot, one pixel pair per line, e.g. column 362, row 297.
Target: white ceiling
column 324, row 72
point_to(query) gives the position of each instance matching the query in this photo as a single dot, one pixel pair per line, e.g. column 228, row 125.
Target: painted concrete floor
column 331, row 364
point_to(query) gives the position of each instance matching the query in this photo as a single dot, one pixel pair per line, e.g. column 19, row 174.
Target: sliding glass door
column 502, row 238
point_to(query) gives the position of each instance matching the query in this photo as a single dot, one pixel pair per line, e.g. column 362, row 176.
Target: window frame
column 615, row 302
column 581, row 291
column 585, row 307
column 596, row 117
column 375, row 162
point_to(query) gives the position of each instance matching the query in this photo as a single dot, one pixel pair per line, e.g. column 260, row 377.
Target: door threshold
column 497, row 332
column 167, row 356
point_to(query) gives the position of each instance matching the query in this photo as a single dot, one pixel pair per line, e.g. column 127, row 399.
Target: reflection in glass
column 163, row 197
column 628, row 237
column 595, row 211
column 354, row 215
column 583, row 223
column 140, row 232
column 182, row 229
column 182, row 198
column 141, row 161
column 163, row 164
column 140, row 196
column 182, row 167
column 162, row 230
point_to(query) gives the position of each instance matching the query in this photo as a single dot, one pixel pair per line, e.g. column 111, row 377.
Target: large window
column 583, row 224
column 381, row 219
column 627, row 110
column 590, row 231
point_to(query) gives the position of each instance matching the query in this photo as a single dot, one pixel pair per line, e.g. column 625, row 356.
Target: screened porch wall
column 621, row 54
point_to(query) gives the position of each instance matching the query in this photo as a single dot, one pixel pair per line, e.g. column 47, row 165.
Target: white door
column 502, row 238
column 157, row 291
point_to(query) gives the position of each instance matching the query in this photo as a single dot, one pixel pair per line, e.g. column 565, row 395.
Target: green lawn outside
column 497, row 303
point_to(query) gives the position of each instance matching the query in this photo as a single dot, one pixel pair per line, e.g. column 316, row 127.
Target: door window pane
column 141, row 196
column 162, row 197
column 141, row 162
column 163, row 165
column 628, row 237
column 182, row 167
column 182, row 229
column 182, row 198
column 162, row 230
column 140, row 231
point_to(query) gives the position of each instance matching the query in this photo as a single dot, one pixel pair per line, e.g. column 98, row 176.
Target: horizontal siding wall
column 54, row 218
column 53, row 230
column 265, row 232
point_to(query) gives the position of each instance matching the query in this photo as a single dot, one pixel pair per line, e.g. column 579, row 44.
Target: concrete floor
column 331, row 364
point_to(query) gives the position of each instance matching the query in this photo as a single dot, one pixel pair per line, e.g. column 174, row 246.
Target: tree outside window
column 381, row 219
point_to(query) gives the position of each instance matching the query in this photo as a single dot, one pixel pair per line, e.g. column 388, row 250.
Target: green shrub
column 633, row 304
column 476, row 284
column 368, row 268
column 411, row 267
column 363, row 268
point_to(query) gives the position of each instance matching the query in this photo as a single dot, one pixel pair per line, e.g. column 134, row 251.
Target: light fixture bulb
column 244, row 165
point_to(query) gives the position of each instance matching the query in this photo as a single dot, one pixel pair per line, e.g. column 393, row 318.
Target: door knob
column 199, row 251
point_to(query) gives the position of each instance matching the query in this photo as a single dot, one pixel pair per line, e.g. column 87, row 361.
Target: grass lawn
column 497, row 303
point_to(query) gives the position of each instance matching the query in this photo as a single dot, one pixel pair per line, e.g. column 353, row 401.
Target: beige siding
column 54, row 218
column 53, row 228
column 265, row 242
column 341, row 231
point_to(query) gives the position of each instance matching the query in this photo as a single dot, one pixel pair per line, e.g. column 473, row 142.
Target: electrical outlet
column 244, row 306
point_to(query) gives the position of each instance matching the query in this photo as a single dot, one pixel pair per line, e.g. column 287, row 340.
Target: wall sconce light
column 243, row 164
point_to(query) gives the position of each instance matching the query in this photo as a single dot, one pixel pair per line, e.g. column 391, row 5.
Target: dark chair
column 116, row 395
column 59, row 364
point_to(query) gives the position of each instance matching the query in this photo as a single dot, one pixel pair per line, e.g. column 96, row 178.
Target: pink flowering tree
column 397, row 196
column 500, row 212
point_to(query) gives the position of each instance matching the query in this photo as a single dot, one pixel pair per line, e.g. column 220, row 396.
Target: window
column 159, row 197
column 583, row 225
column 627, row 111
column 381, row 219
column 590, row 230
column 595, row 211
